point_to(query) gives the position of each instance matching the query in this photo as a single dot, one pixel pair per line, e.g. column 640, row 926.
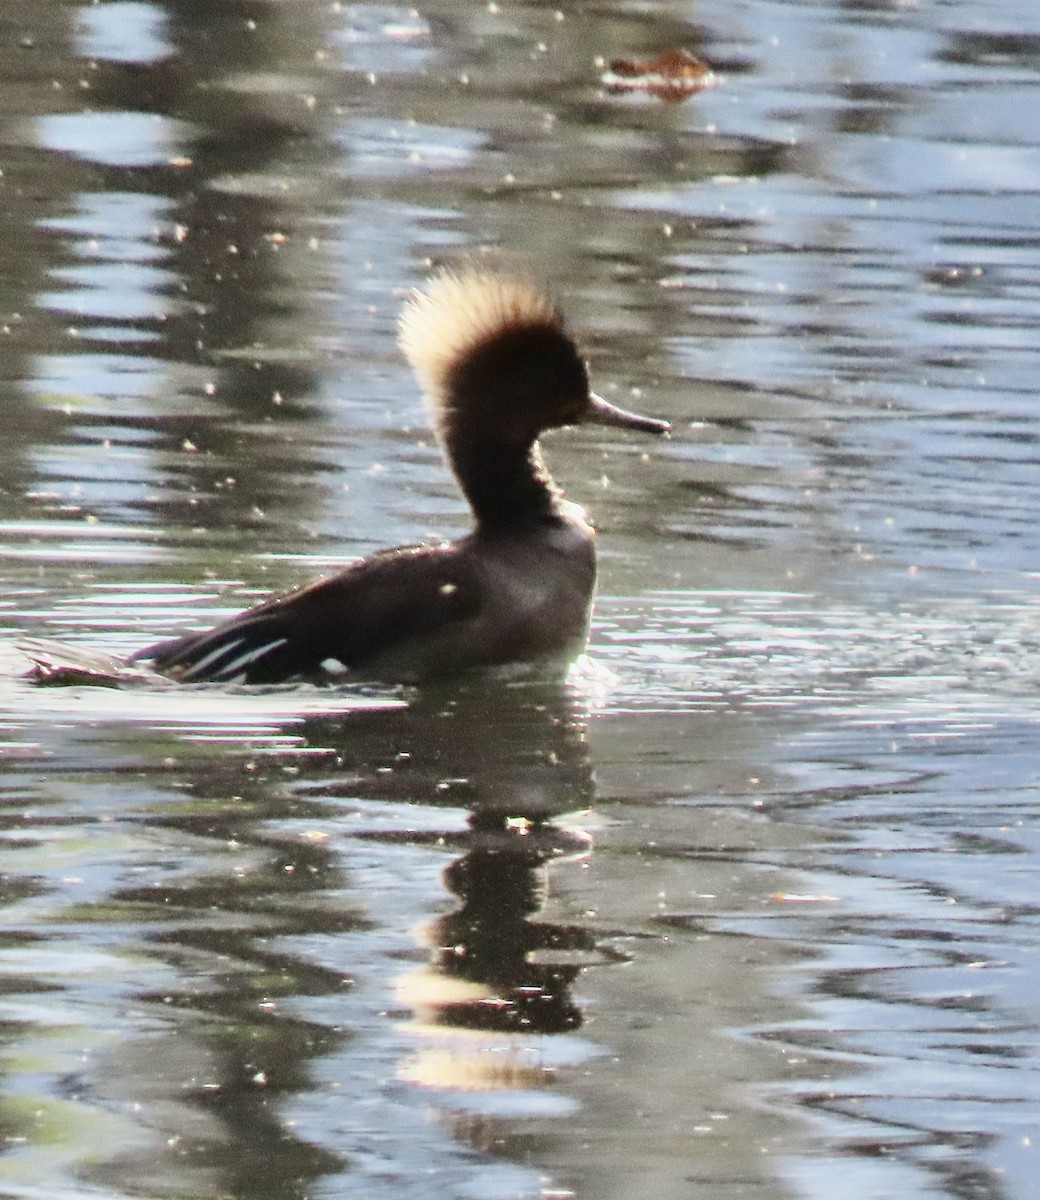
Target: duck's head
column 496, row 363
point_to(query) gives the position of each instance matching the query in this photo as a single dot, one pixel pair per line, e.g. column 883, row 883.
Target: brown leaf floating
column 672, row 75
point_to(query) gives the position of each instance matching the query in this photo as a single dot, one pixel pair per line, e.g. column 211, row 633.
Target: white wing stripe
column 212, row 657
column 243, row 660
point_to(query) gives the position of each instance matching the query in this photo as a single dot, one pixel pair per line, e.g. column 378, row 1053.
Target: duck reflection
column 498, row 750
column 516, row 966
column 497, row 976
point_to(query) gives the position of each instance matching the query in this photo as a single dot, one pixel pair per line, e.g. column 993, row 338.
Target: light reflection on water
column 746, row 906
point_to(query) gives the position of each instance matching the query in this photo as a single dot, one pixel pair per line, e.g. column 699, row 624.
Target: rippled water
column 747, row 907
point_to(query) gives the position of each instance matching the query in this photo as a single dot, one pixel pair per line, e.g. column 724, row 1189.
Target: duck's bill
column 602, row 412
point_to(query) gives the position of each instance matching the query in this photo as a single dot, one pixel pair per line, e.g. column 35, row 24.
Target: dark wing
column 342, row 624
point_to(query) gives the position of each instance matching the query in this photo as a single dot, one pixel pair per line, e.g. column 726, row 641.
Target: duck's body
column 408, row 615
column 497, row 368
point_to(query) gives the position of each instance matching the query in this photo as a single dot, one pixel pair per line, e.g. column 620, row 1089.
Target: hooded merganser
column 497, row 368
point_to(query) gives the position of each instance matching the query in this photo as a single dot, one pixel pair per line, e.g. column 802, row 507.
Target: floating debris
column 673, row 75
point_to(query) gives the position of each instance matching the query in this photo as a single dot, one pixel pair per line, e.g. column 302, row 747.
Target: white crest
column 459, row 312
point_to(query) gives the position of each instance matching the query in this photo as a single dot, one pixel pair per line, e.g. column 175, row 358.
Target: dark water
column 747, row 908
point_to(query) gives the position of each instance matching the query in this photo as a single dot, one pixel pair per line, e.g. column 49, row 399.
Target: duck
column 498, row 368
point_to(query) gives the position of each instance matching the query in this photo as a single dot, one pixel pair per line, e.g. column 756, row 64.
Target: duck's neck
column 507, row 485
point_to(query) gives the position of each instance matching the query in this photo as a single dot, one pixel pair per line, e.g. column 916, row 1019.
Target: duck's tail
column 53, row 664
